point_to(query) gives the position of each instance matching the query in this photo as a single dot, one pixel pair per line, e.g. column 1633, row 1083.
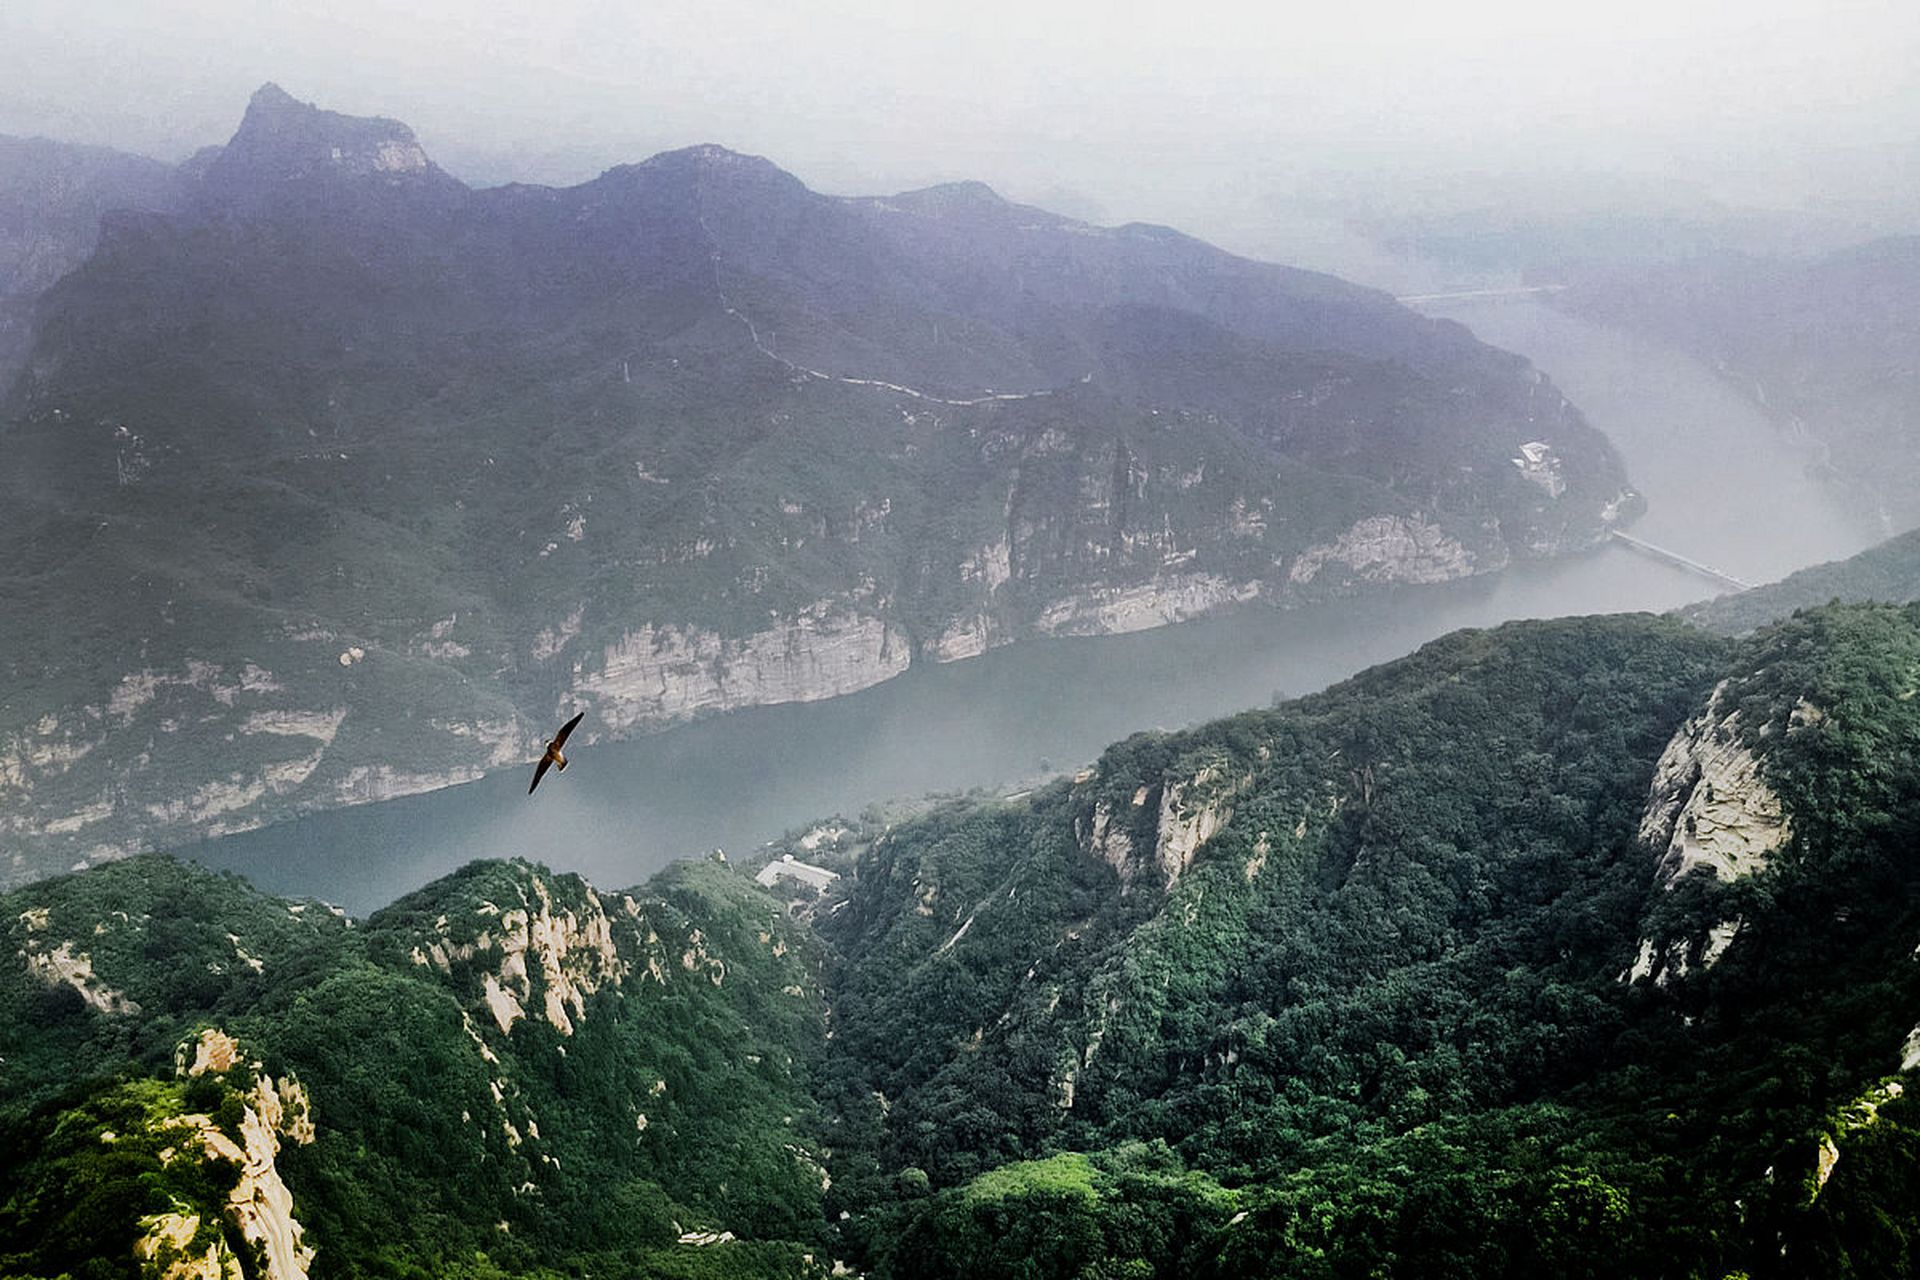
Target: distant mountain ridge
column 342, row 454
column 1826, row 345
column 1888, row 572
column 282, row 139
column 52, row 197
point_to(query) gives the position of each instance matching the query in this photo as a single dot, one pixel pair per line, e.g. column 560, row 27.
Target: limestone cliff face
column 259, row 1204
column 1187, row 812
column 538, row 948
column 1192, row 812
column 966, row 637
column 1709, row 810
column 168, row 1250
column 538, row 956
column 1392, row 549
column 1158, row 603
column 656, row 676
column 1709, row 807
column 316, row 729
column 135, row 769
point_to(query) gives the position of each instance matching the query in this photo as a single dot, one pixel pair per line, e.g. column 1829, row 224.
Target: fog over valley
column 1214, row 117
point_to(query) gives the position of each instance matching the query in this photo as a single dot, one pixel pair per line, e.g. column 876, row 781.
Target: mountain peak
column 708, row 167
column 708, row 155
column 284, row 139
column 710, row 160
column 966, row 199
column 966, row 191
column 271, row 97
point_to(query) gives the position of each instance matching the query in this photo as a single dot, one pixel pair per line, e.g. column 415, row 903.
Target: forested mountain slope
column 344, row 454
column 1888, row 573
column 1570, row 948
column 506, row 1065
column 1573, row 948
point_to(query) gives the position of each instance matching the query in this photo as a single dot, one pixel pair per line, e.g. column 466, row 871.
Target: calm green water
column 1721, row 487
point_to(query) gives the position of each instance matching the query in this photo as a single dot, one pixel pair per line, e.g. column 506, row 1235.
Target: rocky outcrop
column 170, row 1251
column 64, row 964
column 1385, row 548
column 259, row 1203
column 1192, row 812
column 215, row 1050
column 571, row 954
column 1188, row 812
column 1709, row 808
column 1860, row 1114
column 657, row 676
column 1111, row 842
column 283, row 140
column 1142, row 606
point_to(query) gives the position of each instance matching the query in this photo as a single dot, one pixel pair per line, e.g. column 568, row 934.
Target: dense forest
column 1580, row 948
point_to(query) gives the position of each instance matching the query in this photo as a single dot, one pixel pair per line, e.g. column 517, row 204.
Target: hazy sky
column 1121, row 109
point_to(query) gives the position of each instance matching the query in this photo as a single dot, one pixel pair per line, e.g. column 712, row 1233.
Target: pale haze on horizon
column 1172, row 112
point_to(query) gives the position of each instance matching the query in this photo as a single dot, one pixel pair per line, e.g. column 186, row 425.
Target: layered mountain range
column 1575, row 948
column 333, row 478
column 52, row 198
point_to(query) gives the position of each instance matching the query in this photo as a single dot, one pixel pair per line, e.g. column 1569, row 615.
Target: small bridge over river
column 1679, row 561
column 1482, row 295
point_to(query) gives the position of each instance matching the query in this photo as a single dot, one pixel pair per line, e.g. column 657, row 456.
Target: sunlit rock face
column 536, row 955
column 1709, row 808
column 1709, row 811
column 1187, row 811
column 1389, row 549
column 258, row 1206
column 653, row 678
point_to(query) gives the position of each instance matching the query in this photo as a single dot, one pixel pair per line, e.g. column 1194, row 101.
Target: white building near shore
column 788, row 869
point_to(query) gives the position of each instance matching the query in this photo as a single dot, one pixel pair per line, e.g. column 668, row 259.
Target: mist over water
column 1724, row 486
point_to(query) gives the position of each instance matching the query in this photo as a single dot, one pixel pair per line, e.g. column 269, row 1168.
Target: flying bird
column 553, row 755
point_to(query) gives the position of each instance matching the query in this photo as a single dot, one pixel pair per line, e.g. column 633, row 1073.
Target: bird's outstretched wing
column 560, row 738
column 539, row 772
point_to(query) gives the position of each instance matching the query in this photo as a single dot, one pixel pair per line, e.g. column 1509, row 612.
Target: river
column 1723, row 486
